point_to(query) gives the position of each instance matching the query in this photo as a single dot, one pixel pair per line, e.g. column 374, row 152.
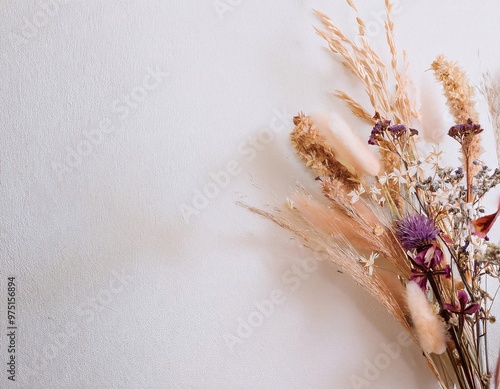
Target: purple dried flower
column 377, row 129
column 397, row 130
column 461, row 131
column 462, row 307
column 416, row 231
column 429, row 258
column 420, row 278
column 426, row 262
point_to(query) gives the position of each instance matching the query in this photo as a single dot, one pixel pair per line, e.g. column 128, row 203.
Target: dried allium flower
column 416, row 231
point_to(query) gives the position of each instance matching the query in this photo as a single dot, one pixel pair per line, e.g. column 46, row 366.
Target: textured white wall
column 114, row 115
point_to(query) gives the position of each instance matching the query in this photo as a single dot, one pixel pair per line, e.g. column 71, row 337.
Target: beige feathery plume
column 341, row 252
column 349, row 149
column 359, row 223
column 458, row 91
column 313, row 150
column 460, row 99
column 433, row 127
column 365, row 235
column 429, row 328
column 328, row 220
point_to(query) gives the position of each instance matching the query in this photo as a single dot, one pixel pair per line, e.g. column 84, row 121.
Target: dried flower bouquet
column 405, row 227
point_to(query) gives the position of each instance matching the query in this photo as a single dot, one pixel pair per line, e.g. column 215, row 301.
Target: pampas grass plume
column 428, row 326
column 434, row 129
column 348, row 147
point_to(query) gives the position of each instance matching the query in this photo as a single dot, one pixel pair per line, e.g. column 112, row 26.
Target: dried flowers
column 408, row 229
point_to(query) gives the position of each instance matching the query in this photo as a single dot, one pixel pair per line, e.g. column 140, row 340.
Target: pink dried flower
column 426, row 261
column 463, row 308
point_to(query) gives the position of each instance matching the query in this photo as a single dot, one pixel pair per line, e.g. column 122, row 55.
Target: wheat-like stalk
column 460, row 100
column 312, row 148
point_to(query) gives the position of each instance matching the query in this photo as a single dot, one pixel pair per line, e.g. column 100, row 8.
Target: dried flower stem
column 460, row 99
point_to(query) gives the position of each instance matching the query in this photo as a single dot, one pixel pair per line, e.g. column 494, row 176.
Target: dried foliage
column 313, row 150
column 414, row 236
column 460, row 99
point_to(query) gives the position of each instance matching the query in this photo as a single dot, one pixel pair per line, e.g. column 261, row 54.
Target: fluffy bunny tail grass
column 428, row 326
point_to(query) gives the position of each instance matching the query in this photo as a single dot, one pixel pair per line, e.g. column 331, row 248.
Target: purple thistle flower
column 416, row 231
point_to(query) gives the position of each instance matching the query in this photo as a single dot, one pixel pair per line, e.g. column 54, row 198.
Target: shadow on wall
column 321, row 289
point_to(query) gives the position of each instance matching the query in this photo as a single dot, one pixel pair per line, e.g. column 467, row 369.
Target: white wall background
column 115, row 289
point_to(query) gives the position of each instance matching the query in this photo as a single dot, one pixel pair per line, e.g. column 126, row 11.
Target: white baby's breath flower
column 398, row 177
column 368, row 263
column 384, row 178
column 441, row 196
column 413, row 170
column 476, row 244
column 374, row 190
column 356, row 193
column 354, row 196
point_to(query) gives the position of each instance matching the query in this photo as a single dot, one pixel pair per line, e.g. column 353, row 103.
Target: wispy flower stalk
column 491, row 90
column 350, row 150
column 460, row 99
